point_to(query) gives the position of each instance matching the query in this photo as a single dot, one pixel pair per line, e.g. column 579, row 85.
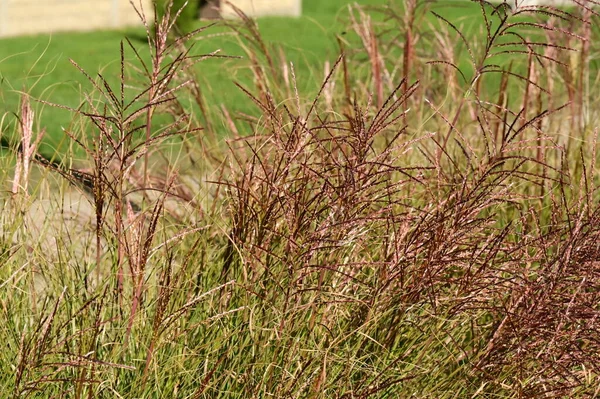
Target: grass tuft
column 422, row 222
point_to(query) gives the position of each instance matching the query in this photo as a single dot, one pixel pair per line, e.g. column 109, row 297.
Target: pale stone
column 23, row 17
column 26, row 17
column 257, row 8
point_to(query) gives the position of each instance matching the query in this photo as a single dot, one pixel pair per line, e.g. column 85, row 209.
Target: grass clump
column 426, row 225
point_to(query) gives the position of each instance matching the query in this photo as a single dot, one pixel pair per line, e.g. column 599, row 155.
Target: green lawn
column 40, row 64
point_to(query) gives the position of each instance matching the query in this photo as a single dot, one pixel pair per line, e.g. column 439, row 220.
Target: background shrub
column 188, row 16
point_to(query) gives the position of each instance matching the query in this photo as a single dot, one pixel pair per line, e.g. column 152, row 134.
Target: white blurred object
column 256, row 8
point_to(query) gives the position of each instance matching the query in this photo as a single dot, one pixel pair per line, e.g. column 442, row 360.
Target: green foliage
column 188, row 14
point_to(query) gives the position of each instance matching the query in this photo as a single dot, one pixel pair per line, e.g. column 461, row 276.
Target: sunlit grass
column 371, row 225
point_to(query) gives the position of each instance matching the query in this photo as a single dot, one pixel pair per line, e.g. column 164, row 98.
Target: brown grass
column 429, row 230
